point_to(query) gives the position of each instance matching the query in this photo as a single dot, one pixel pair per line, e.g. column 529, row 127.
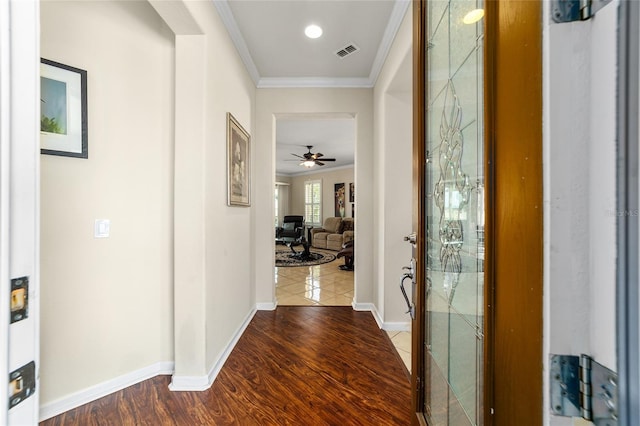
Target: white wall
column 158, row 106
column 284, row 196
column 329, row 178
column 393, row 178
column 269, row 103
column 579, row 189
column 107, row 303
column 228, row 233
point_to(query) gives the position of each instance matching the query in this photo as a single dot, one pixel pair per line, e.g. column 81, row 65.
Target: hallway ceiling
column 269, row 36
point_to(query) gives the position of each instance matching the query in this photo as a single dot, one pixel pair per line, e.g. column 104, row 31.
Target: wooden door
column 478, row 212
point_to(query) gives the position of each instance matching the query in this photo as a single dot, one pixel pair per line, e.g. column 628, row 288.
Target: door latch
column 22, row 384
column 19, row 299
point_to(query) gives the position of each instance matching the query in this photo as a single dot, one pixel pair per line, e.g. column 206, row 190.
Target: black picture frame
column 63, row 110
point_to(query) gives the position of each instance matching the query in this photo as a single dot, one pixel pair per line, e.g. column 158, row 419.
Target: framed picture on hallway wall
column 238, row 163
column 63, row 110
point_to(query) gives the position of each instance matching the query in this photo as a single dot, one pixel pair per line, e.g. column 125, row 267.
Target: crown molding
column 313, row 82
column 236, row 36
column 395, row 20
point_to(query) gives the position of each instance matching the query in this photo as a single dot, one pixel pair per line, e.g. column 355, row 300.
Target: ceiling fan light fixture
column 313, row 31
column 308, row 163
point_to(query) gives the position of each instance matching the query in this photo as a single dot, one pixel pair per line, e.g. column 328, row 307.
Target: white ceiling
column 269, row 36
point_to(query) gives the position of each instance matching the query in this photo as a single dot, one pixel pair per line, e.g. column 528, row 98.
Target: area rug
column 284, row 257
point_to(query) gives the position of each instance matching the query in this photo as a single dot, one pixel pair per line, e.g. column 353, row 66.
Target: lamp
column 308, row 164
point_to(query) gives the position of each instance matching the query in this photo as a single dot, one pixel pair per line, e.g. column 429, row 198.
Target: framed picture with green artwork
column 63, row 110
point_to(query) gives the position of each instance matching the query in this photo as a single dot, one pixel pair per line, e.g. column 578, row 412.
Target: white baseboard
column 103, row 389
column 200, row 383
column 266, row 306
column 362, row 306
column 387, row 326
column 178, row 383
column 213, row 372
column 189, row 383
column 371, row 308
column 377, row 317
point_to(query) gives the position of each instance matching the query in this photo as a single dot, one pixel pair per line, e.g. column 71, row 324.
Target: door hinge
column 575, row 10
column 580, row 387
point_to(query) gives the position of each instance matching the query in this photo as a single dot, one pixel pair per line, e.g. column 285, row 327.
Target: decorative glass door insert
column 454, row 334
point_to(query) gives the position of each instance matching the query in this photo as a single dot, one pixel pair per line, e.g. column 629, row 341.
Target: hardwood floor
column 327, row 285
column 312, row 365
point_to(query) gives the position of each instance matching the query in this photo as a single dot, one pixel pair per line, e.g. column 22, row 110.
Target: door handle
column 412, row 310
column 412, row 276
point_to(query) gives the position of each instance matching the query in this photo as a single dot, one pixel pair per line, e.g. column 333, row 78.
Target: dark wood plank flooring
column 297, row 365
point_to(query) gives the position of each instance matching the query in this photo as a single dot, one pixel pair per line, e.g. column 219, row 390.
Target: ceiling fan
column 309, row 159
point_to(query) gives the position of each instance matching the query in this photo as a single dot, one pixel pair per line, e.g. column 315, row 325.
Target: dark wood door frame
column 419, row 207
column 514, row 219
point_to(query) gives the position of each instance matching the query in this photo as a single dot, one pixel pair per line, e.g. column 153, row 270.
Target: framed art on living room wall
column 339, row 200
column 238, row 163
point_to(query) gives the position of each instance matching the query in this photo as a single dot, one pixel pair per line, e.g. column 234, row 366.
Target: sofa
column 335, row 232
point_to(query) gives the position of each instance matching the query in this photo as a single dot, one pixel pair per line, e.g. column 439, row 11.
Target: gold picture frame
column 238, row 164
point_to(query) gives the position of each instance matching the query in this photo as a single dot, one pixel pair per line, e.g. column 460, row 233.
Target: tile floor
column 324, row 284
column 402, row 342
column 327, row 285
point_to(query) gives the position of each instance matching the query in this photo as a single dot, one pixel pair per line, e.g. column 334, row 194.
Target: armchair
column 292, row 228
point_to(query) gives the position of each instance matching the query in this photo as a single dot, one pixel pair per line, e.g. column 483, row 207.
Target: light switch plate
column 102, row 228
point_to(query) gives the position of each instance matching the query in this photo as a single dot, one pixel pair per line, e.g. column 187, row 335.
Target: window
column 277, row 202
column 313, row 202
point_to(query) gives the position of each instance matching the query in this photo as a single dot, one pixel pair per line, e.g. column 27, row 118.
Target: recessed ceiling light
column 473, row 16
column 313, row 31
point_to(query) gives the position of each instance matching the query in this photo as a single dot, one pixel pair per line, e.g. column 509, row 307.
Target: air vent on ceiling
column 347, row 50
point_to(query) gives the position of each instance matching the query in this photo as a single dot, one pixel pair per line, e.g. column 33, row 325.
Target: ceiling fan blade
column 318, row 154
column 319, row 163
column 328, row 159
column 299, row 156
